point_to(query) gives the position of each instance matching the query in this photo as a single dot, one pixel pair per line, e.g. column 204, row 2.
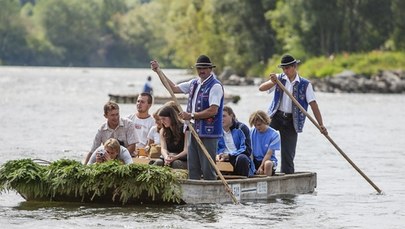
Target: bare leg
column 268, row 168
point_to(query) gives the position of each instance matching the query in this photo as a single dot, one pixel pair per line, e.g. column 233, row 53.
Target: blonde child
column 265, row 141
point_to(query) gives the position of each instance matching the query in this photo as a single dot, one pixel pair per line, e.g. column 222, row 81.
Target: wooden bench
column 225, row 166
column 222, row 166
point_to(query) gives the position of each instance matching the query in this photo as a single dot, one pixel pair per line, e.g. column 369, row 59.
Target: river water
column 53, row 113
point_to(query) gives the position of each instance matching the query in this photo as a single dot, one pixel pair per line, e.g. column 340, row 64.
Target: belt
column 283, row 114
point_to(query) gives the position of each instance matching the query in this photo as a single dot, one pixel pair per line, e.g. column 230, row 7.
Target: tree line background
column 247, row 35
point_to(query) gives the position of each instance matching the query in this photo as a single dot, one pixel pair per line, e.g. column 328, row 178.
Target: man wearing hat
column 204, row 110
column 286, row 116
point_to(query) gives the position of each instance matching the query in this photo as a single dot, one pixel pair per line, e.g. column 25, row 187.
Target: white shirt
column 229, row 143
column 154, row 135
column 142, row 127
column 286, row 102
column 215, row 96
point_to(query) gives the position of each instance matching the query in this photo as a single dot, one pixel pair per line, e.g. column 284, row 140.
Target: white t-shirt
column 154, row 135
column 216, row 92
column 142, row 127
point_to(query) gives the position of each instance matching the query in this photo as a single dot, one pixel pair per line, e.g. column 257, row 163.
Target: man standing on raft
column 204, row 110
column 286, row 117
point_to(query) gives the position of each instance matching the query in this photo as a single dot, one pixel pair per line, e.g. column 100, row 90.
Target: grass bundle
column 70, row 179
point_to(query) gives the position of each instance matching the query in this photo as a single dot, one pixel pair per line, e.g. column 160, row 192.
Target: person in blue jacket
column 204, row 111
column 234, row 145
column 147, row 87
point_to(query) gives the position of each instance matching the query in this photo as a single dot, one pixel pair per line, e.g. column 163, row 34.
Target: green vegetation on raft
column 71, row 178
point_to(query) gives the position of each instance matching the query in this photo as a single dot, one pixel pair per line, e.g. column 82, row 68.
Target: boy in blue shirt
column 265, row 141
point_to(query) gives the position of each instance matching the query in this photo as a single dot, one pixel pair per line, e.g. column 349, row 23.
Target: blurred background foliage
column 248, row 36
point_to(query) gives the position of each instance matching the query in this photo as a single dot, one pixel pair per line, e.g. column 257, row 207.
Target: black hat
column 204, row 62
column 288, row 60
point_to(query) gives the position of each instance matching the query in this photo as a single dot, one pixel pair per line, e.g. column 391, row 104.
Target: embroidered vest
column 210, row 127
column 299, row 93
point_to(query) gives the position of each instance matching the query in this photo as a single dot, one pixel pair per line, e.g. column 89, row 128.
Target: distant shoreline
column 384, row 82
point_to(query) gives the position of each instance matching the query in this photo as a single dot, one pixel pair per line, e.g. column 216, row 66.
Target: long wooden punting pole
column 327, row 136
column 162, row 77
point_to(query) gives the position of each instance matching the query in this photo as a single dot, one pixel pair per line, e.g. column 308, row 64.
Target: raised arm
column 269, row 83
column 154, row 65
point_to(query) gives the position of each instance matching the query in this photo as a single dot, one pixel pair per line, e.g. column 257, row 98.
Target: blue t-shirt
column 263, row 142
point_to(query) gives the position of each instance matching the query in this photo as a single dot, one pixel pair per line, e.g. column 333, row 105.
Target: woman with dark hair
column 173, row 140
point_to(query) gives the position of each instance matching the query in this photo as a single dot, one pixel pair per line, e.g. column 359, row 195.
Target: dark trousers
column 289, row 139
column 240, row 164
column 197, row 161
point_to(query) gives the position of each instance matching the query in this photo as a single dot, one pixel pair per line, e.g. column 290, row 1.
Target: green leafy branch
column 70, row 179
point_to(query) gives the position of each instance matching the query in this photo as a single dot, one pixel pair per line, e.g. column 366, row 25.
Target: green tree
column 115, row 50
column 140, row 33
column 169, row 31
column 317, row 27
column 13, row 45
column 398, row 33
column 188, row 31
column 247, row 36
column 109, row 10
column 191, row 28
column 73, row 26
column 366, row 24
column 42, row 52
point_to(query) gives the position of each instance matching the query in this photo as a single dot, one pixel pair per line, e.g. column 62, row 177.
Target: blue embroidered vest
column 210, row 127
column 299, row 93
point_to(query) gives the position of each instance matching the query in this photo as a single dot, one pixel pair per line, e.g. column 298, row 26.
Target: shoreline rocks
column 349, row 82
column 229, row 77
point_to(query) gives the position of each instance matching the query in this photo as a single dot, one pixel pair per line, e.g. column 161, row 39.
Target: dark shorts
column 258, row 163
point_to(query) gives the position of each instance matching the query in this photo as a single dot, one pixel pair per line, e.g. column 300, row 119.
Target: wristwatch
column 192, row 115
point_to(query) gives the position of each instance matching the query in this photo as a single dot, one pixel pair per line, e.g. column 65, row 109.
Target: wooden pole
column 194, row 133
column 327, row 136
